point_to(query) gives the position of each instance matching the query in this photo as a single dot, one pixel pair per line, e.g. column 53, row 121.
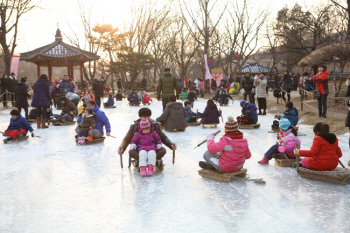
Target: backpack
column 277, row 93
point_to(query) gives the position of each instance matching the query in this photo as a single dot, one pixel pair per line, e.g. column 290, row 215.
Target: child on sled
column 119, row 96
column 211, row 114
column 291, row 114
column 230, row 153
column 18, row 127
column 110, row 101
column 147, row 141
column 89, row 122
column 146, row 99
column 324, row 153
column 191, row 116
column 286, row 142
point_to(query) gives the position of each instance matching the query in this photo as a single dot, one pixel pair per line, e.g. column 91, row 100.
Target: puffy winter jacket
column 166, row 86
column 71, row 96
column 146, row 99
column 184, row 95
column 249, row 111
column 110, row 101
column 87, row 122
column 292, row 116
column 210, row 116
column 174, row 116
column 21, row 92
column 324, row 153
column 321, row 81
column 233, row 152
column 68, row 107
column 261, row 87
column 247, row 84
column 146, row 141
column 190, row 113
column 20, row 123
column 5, row 84
column 101, row 120
column 42, row 94
column 289, row 140
column 287, row 83
column 66, row 86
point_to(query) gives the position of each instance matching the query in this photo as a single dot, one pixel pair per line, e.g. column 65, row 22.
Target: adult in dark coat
column 119, row 84
column 5, row 85
column 213, row 85
column 286, row 85
column 145, row 113
column 13, row 82
column 66, row 85
column 174, row 115
column 144, row 83
column 21, row 92
column 97, row 87
column 41, row 100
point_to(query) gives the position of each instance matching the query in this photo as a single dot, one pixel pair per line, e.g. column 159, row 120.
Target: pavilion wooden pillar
column 38, row 68
column 72, row 71
column 68, row 71
column 81, row 72
column 49, row 67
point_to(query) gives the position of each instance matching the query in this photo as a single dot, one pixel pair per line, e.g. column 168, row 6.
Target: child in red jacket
column 230, row 153
column 324, row 153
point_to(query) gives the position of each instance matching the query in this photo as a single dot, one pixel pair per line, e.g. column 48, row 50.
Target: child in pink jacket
column 147, row 141
column 287, row 142
column 230, row 153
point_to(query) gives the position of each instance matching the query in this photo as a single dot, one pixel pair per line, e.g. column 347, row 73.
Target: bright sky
column 39, row 27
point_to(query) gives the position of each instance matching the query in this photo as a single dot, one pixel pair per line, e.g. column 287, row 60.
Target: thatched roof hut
column 327, row 54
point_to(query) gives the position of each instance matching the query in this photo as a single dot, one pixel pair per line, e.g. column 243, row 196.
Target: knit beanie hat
column 284, row 123
column 144, row 124
column 231, row 125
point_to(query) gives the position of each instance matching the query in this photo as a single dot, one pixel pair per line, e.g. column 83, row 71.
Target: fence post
column 302, row 99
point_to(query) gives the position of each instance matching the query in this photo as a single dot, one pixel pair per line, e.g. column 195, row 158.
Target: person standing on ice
column 146, row 141
column 230, row 153
column 101, row 121
column 286, row 142
column 41, row 100
column 145, row 113
column 167, row 85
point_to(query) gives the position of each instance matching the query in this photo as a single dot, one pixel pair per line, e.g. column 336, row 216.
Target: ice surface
column 49, row 184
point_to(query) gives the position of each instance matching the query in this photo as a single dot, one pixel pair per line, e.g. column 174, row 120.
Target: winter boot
column 6, row 140
column 150, row 170
column 82, row 142
column 259, row 112
column 264, row 112
column 143, row 171
column 264, row 161
column 206, row 165
column 43, row 123
column 38, row 122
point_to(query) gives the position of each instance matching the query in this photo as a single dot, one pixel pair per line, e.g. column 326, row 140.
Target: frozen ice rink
column 49, row 184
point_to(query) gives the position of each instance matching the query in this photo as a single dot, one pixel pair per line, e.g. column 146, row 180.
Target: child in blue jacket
column 18, row 127
column 110, row 101
column 291, row 114
column 191, row 116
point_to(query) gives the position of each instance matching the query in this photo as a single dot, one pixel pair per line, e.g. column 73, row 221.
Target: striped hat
column 231, row 125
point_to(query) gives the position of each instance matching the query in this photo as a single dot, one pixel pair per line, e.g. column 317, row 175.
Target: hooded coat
column 21, row 92
column 68, row 107
column 101, row 120
column 292, row 115
column 321, row 81
column 249, row 111
column 287, row 83
column 324, row 153
column 88, row 121
column 146, row 99
column 261, row 87
column 166, row 86
column 210, row 116
column 146, row 141
column 289, row 140
column 66, row 86
column 20, row 123
column 174, row 116
column 42, row 94
column 110, row 101
column 190, row 113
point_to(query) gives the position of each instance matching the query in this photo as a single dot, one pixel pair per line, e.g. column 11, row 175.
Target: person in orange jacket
column 321, row 80
column 324, row 153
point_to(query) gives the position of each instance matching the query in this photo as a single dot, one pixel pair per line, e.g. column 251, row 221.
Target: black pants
column 41, row 112
column 165, row 102
column 251, row 97
column 262, row 103
column 25, row 110
column 4, row 97
column 284, row 96
column 13, row 99
column 83, row 133
column 98, row 100
column 322, row 103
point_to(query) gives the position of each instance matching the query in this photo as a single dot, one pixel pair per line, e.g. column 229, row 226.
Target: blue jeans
column 322, row 103
column 273, row 150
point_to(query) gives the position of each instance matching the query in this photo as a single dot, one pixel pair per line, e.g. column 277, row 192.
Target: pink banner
column 14, row 65
column 207, row 72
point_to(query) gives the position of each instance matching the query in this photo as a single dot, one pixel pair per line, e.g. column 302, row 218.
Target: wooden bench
column 252, row 126
column 110, row 106
column 213, row 174
column 209, row 126
column 63, row 124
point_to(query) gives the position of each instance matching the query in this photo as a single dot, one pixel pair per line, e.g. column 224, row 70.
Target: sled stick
column 197, row 119
column 173, row 156
column 121, row 158
column 112, row 136
column 216, row 133
column 221, row 115
column 341, row 164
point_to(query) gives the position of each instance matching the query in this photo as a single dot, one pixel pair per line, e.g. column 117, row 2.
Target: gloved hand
column 282, row 149
column 211, row 136
column 132, row 147
column 296, row 151
column 33, row 134
column 159, row 146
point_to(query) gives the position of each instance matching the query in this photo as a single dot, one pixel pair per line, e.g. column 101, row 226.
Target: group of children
column 135, row 99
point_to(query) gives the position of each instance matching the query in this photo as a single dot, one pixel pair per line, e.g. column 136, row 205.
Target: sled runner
column 63, row 124
column 282, row 160
column 175, row 130
column 21, row 138
column 278, row 130
column 213, row 174
column 193, row 123
column 252, row 126
column 214, row 125
column 158, row 168
column 93, row 141
column 110, row 106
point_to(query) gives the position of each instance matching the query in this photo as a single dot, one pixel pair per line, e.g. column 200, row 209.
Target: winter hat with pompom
column 231, row 125
column 144, row 124
column 284, row 123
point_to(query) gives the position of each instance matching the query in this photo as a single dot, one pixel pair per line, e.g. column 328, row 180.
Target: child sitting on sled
column 211, row 114
column 89, row 122
column 230, row 153
column 147, row 141
column 146, row 99
column 191, row 116
column 291, row 114
column 110, row 101
column 18, row 127
column 119, row 96
column 286, row 142
column 324, row 153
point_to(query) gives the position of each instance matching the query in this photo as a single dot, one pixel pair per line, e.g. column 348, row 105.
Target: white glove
column 33, row 134
column 211, row 137
column 159, row 146
column 132, row 147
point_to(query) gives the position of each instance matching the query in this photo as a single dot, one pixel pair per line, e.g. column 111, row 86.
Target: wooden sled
column 175, row 130
column 93, row 141
column 110, row 106
column 209, row 126
column 158, row 168
column 21, row 138
column 31, row 120
column 63, row 124
column 278, row 130
column 252, row 126
column 283, row 160
column 213, row 174
column 193, row 123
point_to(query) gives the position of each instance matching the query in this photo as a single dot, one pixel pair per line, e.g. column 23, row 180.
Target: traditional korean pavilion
column 59, row 54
